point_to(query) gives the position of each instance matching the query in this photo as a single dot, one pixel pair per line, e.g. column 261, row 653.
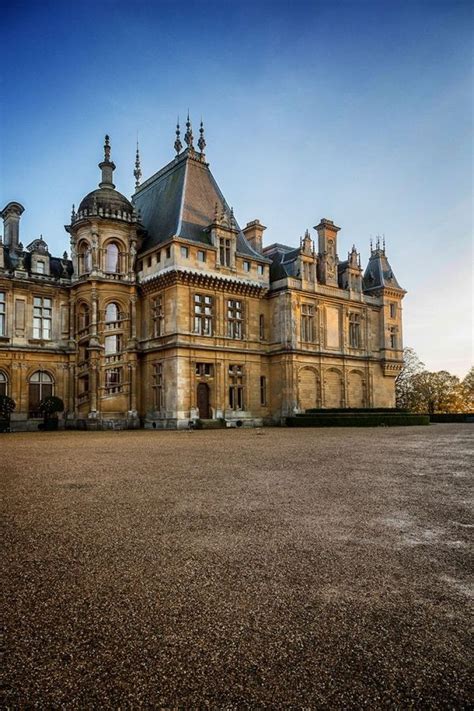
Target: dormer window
column 260, row 269
column 40, row 266
column 225, row 251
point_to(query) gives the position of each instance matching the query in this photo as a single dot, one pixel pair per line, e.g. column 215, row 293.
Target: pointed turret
column 379, row 274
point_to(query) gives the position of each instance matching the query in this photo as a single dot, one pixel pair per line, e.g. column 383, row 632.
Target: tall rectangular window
column 42, row 312
column 354, row 330
column 158, row 386
column 307, row 323
column 113, row 344
column 224, row 251
column 234, row 318
column 158, row 316
column 393, row 310
column 201, row 255
column 236, row 387
column 393, row 338
column 185, row 252
column 113, row 380
column 3, row 313
column 261, row 327
column 263, row 390
column 203, row 314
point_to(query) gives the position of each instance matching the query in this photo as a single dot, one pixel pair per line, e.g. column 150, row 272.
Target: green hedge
column 452, row 417
column 349, row 410
column 345, row 419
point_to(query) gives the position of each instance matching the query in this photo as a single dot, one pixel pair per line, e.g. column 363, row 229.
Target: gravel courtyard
column 243, row 569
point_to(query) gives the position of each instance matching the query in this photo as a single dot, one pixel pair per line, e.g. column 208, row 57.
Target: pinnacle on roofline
column 107, row 167
column 189, row 138
column 137, row 173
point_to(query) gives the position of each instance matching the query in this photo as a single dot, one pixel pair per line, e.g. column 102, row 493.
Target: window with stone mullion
column 203, row 314
column 234, row 318
column 236, row 387
column 307, row 323
column 42, row 316
column 354, row 330
column 3, row 325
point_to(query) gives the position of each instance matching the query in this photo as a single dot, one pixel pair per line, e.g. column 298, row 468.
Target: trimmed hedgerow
column 452, row 417
column 387, row 419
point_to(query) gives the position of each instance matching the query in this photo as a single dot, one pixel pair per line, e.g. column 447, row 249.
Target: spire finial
column 73, row 212
column 107, row 149
column 107, row 167
column 202, row 140
column 137, row 173
column 188, row 136
column 177, row 144
column 383, row 243
column 371, row 245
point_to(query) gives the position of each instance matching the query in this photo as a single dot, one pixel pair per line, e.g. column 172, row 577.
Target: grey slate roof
column 180, row 201
column 55, row 264
column 284, row 261
column 379, row 273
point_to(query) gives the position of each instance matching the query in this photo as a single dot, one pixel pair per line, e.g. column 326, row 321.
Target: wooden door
column 203, row 401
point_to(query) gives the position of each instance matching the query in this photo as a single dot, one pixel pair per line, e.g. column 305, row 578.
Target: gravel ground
column 274, row 569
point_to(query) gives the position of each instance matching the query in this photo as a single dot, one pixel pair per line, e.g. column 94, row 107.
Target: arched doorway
column 203, row 401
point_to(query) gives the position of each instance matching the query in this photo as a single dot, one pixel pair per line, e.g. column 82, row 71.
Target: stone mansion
column 168, row 311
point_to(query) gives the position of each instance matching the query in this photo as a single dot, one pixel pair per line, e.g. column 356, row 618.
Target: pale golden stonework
column 168, row 312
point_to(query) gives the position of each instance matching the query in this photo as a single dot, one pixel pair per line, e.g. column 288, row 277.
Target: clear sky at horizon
column 360, row 112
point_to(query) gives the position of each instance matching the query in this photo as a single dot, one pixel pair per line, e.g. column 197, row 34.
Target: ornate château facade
column 169, row 312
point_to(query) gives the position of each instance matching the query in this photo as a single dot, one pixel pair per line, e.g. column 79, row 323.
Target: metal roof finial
column 202, row 140
column 177, row 144
column 137, row 173
column 107, row 149
column 188, row 136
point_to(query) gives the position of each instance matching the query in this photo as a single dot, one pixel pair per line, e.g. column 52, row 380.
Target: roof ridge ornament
column 107, row 149
column 188, row 136
column 202, row 140
column 178, row 146
column 137, row 173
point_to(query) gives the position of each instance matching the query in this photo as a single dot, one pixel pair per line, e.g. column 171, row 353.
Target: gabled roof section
column 180, row 200
column 379, row 273
column 284, row 261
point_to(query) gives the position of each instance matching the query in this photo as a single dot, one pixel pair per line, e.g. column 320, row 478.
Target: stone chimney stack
column 328, row 259
column 11, row 214
column 253, row 233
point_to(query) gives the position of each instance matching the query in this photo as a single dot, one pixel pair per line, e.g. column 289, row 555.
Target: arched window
column 40, row 386
column 112, row 313
column 112, row 258
column 83, row 317
column 84, row 256
column 3, row 383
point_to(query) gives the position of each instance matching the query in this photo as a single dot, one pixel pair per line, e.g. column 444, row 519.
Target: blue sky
column 356, row 111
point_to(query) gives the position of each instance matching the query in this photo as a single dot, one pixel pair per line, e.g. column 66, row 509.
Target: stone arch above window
column 41, row 385
column 112, row 258
column 84, row 257
column 112, row 312
column 3, row 383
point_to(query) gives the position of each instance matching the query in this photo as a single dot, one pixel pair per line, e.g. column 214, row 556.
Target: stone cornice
column 205, row 280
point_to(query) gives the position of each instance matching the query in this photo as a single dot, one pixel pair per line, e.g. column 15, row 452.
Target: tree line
column 420, row 390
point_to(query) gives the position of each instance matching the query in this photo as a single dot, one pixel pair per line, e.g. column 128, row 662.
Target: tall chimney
column 253, row 234
column 11, row 214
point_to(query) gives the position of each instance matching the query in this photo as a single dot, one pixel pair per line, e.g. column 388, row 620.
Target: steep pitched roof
column 379, row 273
column 284, row 261
column 180, row 200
